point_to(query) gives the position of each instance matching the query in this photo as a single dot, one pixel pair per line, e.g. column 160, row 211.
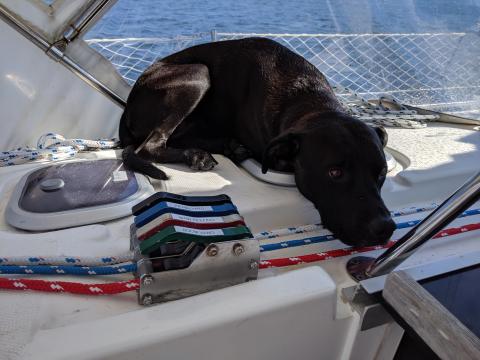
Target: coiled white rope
column 51, row 147
column 379, row 114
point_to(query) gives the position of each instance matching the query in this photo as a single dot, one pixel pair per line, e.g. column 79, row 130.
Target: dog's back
column 256, row 87
column 254, row 81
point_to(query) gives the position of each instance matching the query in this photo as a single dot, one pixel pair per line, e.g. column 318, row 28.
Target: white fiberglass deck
column 436, row 160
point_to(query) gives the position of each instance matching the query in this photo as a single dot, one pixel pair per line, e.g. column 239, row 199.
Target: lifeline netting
column 438, row 71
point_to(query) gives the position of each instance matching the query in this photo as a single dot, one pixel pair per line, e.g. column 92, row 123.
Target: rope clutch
column 186, row 245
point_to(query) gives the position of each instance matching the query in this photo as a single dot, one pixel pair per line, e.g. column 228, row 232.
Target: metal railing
column 55, row 51
column 362, row 268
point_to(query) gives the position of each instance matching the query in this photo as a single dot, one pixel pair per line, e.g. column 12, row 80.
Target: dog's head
column 340, row 166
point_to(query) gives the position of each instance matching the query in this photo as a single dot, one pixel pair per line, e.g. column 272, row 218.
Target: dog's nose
column 381, row 229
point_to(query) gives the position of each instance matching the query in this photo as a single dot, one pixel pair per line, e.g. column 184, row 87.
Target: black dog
column 254, row 97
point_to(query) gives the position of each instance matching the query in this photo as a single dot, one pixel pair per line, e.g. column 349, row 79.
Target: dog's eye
column 335, row 173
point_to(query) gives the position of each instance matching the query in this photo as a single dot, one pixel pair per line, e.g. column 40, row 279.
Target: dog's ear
column 283, row 147
column 382, row 134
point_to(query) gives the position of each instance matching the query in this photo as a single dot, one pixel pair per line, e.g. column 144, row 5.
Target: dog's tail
column 136, row 163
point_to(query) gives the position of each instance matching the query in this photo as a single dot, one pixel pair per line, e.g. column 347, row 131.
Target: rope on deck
column 380, row 114
column 90, row 261
column 124, row 286
column 51, row 147
column 67, row 270
column 67, row 260
column 329, row 237
column 304, row 259
column 271, row 234
column 69, row 287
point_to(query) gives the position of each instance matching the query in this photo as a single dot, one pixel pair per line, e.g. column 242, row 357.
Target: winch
column 187, row 245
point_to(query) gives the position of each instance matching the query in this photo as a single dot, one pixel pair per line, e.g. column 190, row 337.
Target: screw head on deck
column 147, row 280
column 238, row 249
column 212, row 250
column 147, row 299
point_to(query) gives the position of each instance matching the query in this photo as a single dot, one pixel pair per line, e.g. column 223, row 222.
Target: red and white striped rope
column 303, row 259
column 69, row 287
column 124, row 286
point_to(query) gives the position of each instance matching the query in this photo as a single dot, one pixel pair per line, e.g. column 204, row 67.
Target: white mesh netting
column 438, row 71
column 133, row 55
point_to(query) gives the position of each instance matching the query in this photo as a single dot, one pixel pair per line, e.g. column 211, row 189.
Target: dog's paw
column 237, row 152
column 199, row 160
column 241, row 153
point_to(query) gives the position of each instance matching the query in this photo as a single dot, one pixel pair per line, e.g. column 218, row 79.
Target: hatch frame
column 26, row 220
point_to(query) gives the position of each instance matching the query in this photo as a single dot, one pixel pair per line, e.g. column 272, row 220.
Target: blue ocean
column 432, row 60
column 171, row 18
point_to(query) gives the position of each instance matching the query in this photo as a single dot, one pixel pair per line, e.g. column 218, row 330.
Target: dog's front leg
column 160, row 100
column 155, row 149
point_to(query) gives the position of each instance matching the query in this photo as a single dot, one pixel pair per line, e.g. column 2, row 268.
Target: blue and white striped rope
column 67, row 270
column 413, row 210
column 317, row 227
column 67, row 260
column 329, row 237
column 86, row 262
column 51, row 147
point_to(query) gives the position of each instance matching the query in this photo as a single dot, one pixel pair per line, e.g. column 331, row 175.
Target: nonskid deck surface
column 436, row 160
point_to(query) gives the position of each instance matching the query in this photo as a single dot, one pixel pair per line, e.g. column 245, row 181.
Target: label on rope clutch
column 169, row 219
column 180, row 233
column 196, row 211
column 199, row 220
column 198, row 232
column 188, row 207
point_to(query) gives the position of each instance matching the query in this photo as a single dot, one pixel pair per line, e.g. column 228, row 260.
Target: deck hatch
column 75, row 193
